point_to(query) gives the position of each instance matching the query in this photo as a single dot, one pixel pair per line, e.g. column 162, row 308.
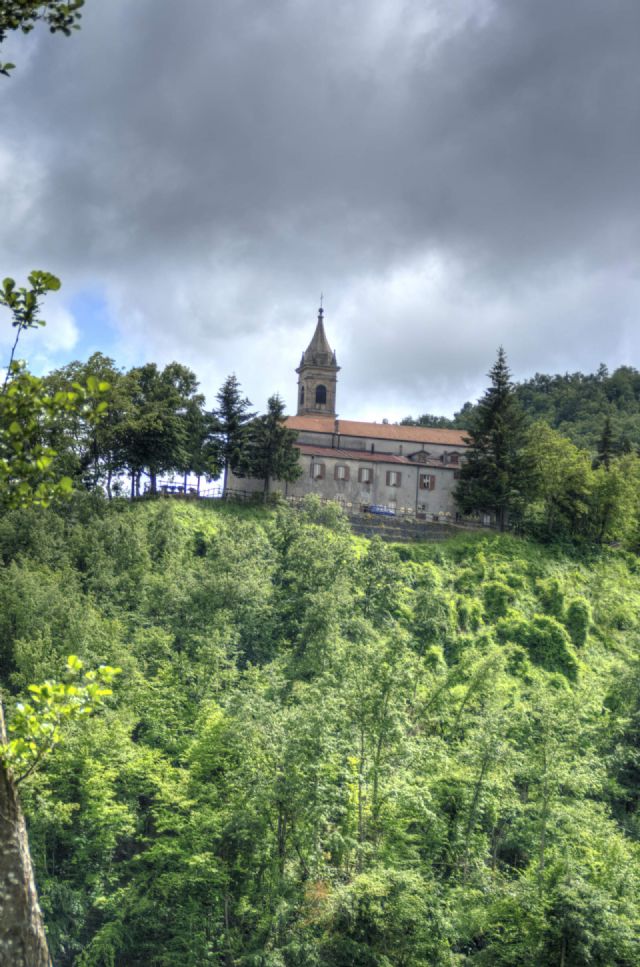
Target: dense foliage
column 327, row 751
column 156, row 423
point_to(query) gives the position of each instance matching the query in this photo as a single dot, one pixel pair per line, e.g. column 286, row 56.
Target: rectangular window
column 453, row 458
column 364, row 475
column 341, row 472
column 317, row 471
column 393, row 478
column 424, row 481
column 456, row 475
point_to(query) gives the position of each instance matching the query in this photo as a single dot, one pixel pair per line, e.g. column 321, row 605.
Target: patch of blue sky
column 97, row 331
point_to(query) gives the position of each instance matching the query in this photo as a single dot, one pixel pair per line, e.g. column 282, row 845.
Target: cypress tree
column 497, row 475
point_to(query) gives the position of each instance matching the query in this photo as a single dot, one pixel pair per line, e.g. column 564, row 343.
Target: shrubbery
column 546, row 640
column 578, row 620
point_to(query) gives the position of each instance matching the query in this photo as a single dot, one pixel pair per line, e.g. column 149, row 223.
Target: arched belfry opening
column 318, row 375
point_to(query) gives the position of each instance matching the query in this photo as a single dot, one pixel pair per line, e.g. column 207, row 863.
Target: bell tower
column 317, row 375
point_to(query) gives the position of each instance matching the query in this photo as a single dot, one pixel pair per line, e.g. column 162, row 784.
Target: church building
column 390, row 467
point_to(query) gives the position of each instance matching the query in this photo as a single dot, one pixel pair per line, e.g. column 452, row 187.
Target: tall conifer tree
column 271, row 447
column 231, row 419
column 496, row 478
column 605, row 446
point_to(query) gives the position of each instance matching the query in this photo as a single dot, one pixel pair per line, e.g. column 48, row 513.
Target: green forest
column 327, row 751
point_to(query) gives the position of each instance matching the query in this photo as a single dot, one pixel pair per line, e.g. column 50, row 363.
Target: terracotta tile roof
column 379, row 431
column 365, row 456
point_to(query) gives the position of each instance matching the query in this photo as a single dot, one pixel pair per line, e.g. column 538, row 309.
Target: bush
column 546, row 640
column 327, row 513
column 470, row 613
column 435, row 619
column 551, row 597
column 466, row 580
column 578, row 620
column 497, row 598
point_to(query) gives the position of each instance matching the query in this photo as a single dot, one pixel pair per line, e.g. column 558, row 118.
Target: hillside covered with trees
column 326, row 751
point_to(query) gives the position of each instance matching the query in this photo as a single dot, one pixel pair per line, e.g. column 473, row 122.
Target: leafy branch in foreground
column 36, row 726
column 28, row 412
column 28, row 477
column 23, row 15
column 24, row 305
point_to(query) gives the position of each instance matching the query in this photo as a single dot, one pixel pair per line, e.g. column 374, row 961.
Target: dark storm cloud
column 453, row 175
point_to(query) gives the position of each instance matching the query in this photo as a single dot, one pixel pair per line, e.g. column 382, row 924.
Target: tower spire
column 317, row 373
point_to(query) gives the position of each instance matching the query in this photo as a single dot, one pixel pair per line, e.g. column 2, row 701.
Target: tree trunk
column 282, row 839
column 486, row 761
column 133, row 484
column 563, row 951
column 360, row 802
column 22, row 937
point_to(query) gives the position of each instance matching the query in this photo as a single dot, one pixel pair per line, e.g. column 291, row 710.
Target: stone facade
column 404, row 469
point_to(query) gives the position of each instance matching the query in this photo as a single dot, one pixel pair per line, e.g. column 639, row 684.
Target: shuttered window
column 341, row 472
column 364, row 475
column 393, row 478
column 317, row 471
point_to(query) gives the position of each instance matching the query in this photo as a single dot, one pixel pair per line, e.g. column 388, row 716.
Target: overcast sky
column 451, row 174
